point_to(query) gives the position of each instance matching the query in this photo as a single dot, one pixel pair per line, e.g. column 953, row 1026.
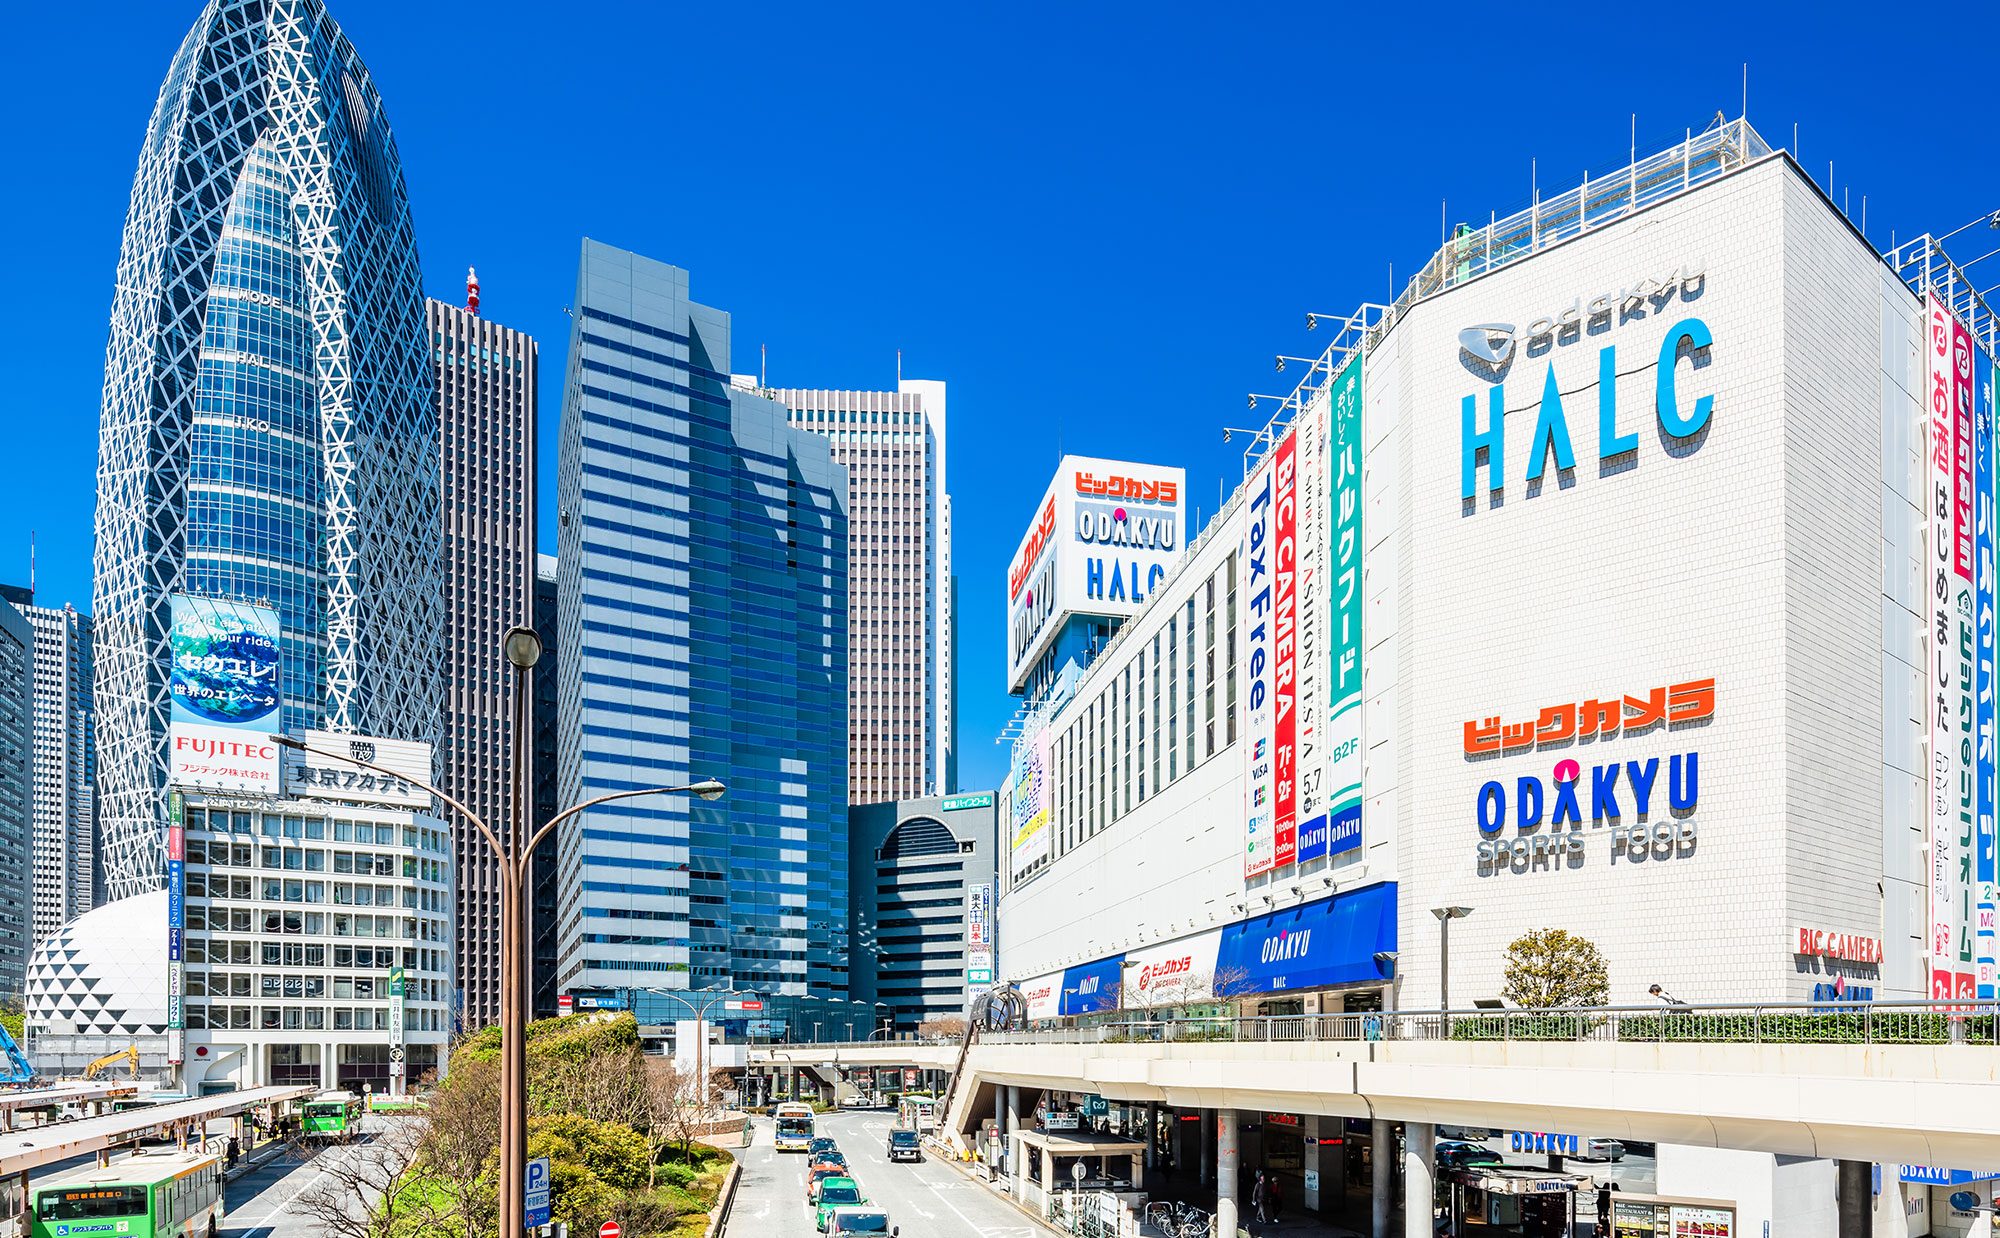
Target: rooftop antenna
column 1745, row 113
column 472, row 292
column 899, row 369
column 31, row 563
column 763, row 367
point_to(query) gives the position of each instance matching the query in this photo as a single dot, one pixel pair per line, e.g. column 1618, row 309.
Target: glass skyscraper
column 269, row 432
column 702, row 623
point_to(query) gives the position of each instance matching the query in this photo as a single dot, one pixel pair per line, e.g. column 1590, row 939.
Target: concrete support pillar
column 1419, row 1178
column 1854, row 1183
column 1382, row 1160
column 1152, row 1112
column 1225, row 1173
column 1205, row 1137
column 1310, row 1196
column 999, row 1126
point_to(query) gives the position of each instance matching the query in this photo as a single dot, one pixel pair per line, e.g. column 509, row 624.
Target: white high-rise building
column 64, row 768
column 901, row 734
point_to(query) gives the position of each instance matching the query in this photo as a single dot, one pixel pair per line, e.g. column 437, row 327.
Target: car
column 821, row 1144
column 835, row 1193
column 1604, row 1149
column 862, row 1219
column 819, row 1173
column 905, row 1146
column 1460, row 1154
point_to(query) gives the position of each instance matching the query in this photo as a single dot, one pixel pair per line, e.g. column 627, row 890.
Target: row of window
column 300, row 826
column 201, row 1015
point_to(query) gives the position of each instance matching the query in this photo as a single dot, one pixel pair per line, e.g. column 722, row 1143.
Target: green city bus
column 147, row 1195
column 330, row 1115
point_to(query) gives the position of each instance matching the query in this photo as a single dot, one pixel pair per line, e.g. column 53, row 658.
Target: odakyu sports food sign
column 1641, row 800
column 227, row 699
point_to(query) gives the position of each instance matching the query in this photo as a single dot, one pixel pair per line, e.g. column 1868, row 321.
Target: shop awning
column 1311, row 946
column 1062, row 1143
column 1495, row 1180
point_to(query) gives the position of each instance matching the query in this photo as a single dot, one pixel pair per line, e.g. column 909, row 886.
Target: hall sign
column 1490, row 351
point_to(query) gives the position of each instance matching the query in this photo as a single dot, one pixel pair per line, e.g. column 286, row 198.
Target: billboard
column 1174, row 972
column 979, row 935
column 1343, row 602
column 1984, row 876
column 1310, row 430
column 227, row 699
column 1949, row 661
column 176, row 926
column 1031, row 804
column 1284, row 652
column 1259, row 799
column 1101, row 539
column 319, row 774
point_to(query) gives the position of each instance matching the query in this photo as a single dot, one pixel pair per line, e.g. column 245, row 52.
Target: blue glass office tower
column 268, row 432
column 702, row 619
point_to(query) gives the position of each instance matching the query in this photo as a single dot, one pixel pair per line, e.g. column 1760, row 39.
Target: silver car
column 860, row 1219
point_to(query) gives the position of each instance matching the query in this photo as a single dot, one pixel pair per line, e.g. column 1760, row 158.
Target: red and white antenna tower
column 471, row 291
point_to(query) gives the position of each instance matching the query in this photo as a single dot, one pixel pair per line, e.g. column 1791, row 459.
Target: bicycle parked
column 1178, row 1220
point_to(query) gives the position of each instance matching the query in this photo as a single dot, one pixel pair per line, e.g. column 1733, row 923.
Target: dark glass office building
column 702, row 623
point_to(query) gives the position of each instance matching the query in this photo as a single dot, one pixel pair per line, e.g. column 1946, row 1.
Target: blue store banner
column 1332, row 941
column 1091, row 987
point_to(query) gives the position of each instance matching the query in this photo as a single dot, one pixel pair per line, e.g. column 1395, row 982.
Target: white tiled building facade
column 1739, row 506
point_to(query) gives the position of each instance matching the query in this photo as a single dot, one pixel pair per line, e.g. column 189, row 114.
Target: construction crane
column 15, row 1069
column 129, row 1054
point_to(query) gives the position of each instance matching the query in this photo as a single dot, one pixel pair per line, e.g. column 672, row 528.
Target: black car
column 1461, row 1154
column 904, row 1146
column 819, row 1145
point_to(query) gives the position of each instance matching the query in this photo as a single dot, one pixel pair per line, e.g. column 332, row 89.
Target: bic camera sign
column 1642, row 797
column 1555, row 348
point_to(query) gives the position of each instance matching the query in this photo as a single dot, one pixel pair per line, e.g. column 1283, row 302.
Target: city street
column 924, row 1199
column 260, row 1201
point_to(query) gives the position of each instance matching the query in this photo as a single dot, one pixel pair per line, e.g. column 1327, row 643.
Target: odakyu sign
column 1551, row 357
column 1641, row 800
column 1103, row 537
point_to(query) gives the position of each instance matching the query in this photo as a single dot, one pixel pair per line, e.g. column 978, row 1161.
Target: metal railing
column 1803, row 1023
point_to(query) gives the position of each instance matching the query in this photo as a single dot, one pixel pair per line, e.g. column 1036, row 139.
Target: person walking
column 1259, row 1198
column 1274, row 1206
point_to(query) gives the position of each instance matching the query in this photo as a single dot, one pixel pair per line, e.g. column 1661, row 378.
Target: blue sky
column 1098, row 223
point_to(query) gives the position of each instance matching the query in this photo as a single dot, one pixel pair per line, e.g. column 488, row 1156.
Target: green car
column 836, row 1193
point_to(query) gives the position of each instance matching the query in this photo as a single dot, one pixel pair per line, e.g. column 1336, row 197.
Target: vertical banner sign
column 1944, row 588
column 1312, row 490
column 1964, row 507
column 1984, row 875
column 397, row 985
column 1343, row 727
column 1285, row 651
column 176, row 924
column 1255, row 573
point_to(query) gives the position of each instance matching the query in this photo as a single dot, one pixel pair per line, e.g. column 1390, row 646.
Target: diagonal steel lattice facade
column 269, row 429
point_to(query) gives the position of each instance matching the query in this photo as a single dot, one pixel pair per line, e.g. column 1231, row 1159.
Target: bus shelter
column 1046, row 1161
column 1490, row 1200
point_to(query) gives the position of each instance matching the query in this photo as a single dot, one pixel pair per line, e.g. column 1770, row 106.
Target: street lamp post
column 1445, row 916
column 700, row 1013
column 514, row 855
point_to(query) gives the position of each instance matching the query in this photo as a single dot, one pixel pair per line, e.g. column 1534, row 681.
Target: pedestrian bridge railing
column 1806, row 1023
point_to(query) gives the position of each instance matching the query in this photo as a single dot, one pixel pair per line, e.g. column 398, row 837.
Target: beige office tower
column 486, row 407
column 901, row 733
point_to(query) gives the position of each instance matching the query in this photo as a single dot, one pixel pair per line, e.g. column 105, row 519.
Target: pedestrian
column 1275, row 1206
column 1259, row 1198
column 1604, row 1209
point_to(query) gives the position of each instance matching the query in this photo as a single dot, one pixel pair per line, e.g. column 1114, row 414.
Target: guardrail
column 1868, row 1023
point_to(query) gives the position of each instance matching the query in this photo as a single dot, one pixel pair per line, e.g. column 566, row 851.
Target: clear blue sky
column 1098, row 223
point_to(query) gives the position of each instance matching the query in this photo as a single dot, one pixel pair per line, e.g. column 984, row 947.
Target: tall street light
column 514, row 855
column 686, row 997
column 1445, row 916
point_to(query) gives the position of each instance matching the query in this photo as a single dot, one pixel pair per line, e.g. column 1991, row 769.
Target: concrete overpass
column 1923, row 1103
column 29, row 1149
column 56, row 1096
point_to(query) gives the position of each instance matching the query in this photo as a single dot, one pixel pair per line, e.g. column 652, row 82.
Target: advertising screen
column 227, row 699
column 1031, row 803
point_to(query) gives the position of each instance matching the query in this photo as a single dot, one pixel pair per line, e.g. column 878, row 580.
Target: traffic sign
column 536, row 1188
column 608, row 1230
column 565, row 1004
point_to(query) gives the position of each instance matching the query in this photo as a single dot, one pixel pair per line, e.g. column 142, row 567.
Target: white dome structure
column 103, row 973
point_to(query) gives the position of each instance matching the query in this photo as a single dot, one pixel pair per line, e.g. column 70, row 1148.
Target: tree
column 949, row 1027
column 1555, row 967
column 461, row 1146
column 361, row 1190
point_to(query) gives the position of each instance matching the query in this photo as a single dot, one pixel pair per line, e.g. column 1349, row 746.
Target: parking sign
column 537, row 1187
